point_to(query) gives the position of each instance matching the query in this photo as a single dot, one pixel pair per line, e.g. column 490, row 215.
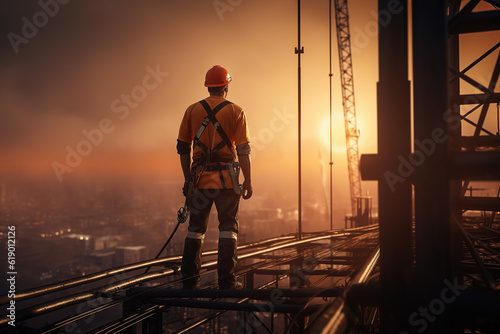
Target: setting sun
column 338, row 138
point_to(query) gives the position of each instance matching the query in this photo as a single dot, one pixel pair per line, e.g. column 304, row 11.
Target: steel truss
column 348, row 101
column 439, row 167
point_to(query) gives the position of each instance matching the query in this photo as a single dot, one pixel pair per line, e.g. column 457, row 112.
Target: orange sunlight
column 338, row 138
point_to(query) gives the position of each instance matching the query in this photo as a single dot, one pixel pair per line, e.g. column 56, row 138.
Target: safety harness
column 209, row 155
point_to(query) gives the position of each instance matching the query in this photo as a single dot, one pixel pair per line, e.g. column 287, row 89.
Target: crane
column 347, row 80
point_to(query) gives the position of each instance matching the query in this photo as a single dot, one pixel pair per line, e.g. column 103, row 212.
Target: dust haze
column 86, row 74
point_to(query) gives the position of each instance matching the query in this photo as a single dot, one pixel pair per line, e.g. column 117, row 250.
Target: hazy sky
column 123, row 72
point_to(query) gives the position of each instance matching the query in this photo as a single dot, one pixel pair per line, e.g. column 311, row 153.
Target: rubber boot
column 226, row 264
column 191, row 263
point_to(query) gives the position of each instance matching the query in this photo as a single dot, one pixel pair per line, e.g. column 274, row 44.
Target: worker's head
column 217, row 79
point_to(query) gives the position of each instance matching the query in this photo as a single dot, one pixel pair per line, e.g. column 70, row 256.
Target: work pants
column 227, row 205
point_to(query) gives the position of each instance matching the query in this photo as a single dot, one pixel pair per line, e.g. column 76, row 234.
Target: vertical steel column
column 432, row 187
column 129, row 307
column 394, row 142
column 331, row 110
column 153, row 324
column 298, row 51
column 249, row 279
column 455, row 145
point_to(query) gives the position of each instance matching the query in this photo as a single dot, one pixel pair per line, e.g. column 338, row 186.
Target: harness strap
column 205, row 122
column 200, row 161
column 211, row 116
column 218, row 167
column 208, row 153
column 223, row 183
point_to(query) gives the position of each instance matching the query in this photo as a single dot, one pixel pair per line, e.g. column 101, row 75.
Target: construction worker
column 218, row 132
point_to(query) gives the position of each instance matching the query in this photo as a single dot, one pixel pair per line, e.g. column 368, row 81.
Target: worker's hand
column 247, row 189
column 185, row 189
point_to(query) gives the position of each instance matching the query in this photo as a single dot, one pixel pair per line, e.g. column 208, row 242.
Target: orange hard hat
column 217, row 76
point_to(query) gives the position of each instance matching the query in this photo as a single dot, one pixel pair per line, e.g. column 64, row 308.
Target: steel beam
column 479, row 166
column 455, row 131
column 480, row 141
column 338, row 316
column 479, row 98
column 213, row 315
column 432, row 187
column 394, row 141
column 234, row 306
column 480, row 203
column 261, row 294
column 477, row 22
column 329, row 272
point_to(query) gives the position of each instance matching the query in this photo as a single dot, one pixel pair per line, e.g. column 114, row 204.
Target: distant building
column 130, row 254
column 105, row 242
column 101, row 260
column 79, row 242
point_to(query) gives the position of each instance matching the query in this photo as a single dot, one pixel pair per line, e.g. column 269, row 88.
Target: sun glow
column 338, row 136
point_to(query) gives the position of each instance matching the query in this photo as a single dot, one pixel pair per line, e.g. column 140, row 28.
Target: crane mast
column 347, row 80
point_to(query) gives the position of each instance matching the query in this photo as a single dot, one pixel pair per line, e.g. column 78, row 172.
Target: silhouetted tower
column 347, row 80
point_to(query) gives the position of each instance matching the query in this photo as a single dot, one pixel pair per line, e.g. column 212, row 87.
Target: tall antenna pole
column 331, row 116
column 298, row 51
